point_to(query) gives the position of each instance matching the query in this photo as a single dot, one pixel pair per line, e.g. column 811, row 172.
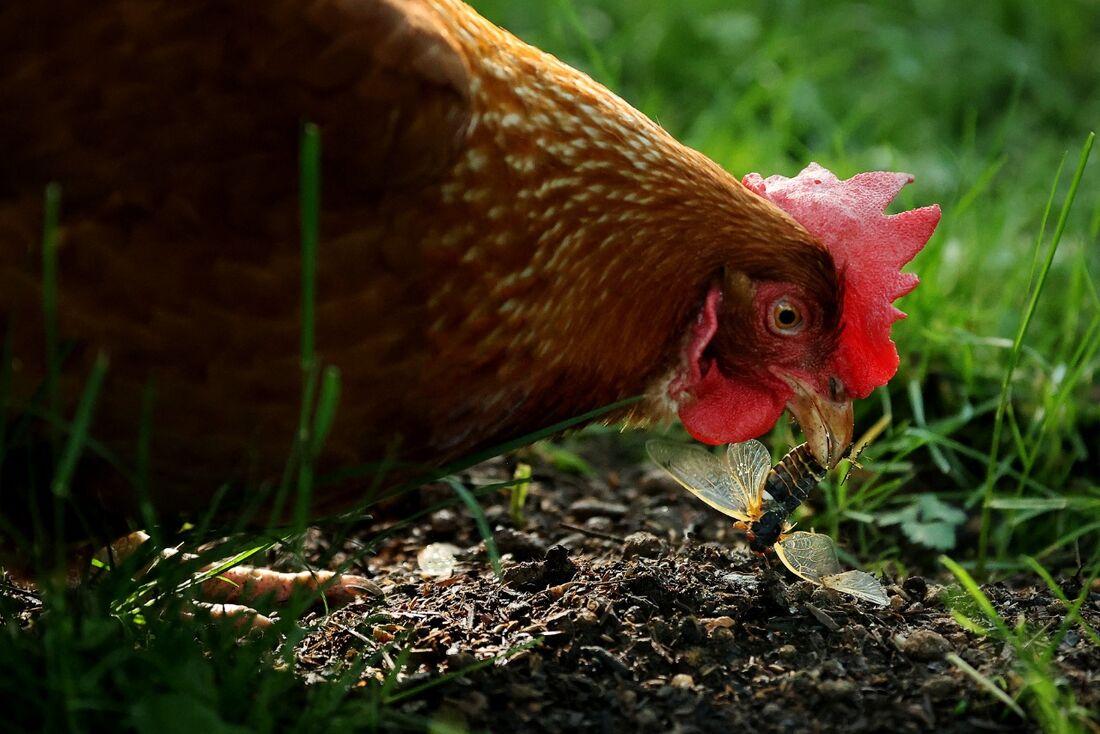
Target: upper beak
column 827, row 421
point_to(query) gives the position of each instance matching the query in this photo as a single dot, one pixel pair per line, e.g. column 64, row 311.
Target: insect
column 745, row 486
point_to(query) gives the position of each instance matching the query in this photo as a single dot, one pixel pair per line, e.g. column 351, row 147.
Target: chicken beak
column 826, row 421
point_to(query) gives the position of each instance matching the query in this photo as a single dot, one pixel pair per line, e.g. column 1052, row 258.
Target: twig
column 593, row 533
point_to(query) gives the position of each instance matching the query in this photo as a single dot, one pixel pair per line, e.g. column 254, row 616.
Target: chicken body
column 504, row 243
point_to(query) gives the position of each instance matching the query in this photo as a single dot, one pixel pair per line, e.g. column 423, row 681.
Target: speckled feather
column 504, row 242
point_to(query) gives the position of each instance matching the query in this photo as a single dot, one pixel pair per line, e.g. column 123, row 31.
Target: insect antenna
column 858, row 447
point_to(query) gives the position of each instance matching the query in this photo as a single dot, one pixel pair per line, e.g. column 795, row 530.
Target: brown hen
column 504, row 244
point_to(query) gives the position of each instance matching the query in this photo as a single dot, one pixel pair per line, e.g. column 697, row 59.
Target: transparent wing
column 859, row 584
column 701, row 473
column 811, row 556
column 749, row 463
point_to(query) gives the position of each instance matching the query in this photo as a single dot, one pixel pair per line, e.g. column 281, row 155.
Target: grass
column 992, row 469
column 1051, row 702
column 995, row 412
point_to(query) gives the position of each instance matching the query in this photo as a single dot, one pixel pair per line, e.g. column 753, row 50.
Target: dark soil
column 627, row 605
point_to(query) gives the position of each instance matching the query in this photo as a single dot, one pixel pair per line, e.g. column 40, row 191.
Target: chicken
column 505, row 244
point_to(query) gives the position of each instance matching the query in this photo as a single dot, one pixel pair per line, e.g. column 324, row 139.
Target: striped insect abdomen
column 790, row 481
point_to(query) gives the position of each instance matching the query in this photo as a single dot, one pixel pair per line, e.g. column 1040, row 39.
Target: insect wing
column 703, row 474
column 859, row 584
column 811, row 556
column 749, row 463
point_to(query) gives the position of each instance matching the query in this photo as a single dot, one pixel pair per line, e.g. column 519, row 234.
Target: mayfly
column 745, row 486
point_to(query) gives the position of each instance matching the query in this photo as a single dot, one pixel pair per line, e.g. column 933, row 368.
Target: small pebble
column 934, row 597
column 694, row 656
column 656, row 481
column 473, row 703
column 722, row 622
column 460, row 661
column 523, row 692
column 837, row 690
column 916, row 587
column 646, row 545
column 523, row 575
column 940, row 687
column 588, row 507
column 682, row 680
column 666, row 520
column 926, row 645
column 445, row 521
column 586, row 619
column 741, row 582
column 523, row 546
column 437, row 560
column 834, row 669
column 692, row 631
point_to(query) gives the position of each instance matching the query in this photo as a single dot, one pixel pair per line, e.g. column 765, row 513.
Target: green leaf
column 563, row 459
column 903, row 516
column 936, row 535
column 932, row 508
column 927, row 521
column 519, row 493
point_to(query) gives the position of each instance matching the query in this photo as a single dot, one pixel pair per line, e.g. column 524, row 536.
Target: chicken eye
column 786, row 318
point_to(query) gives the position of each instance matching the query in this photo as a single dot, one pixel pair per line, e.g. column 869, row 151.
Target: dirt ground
column 628, row 606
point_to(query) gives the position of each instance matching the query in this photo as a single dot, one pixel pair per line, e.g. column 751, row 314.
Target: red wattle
column 727, row 410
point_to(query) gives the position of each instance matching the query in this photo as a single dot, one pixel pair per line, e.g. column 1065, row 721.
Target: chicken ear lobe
column 715, row 407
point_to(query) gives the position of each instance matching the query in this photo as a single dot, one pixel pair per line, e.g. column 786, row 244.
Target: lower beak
column 827, row 422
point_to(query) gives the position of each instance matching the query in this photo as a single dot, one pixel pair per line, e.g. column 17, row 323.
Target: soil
column 625, row 605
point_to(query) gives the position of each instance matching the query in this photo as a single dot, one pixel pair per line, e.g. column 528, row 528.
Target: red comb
column 869, row 249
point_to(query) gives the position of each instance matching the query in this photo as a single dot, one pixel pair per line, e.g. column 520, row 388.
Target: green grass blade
column 985, row 683
column 300, row 461
column 599, row 65
column 551, row 430
column 6, row 353
column 1073, row 609
column 517, row 497
column 327, row 402
column 78, row 435
column 1079, row 531
column 1043, row 221
column 50, row 218
column 224, row 565
column 431, row 475
column 1017, row 345
column 309, row 192
column 978, row 188
column 303, row 451
column 143, row 466
column 482, row 522
column 916, row 401
column 971, row 586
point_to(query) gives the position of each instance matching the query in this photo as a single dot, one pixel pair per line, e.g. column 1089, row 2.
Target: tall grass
column 992, row 470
